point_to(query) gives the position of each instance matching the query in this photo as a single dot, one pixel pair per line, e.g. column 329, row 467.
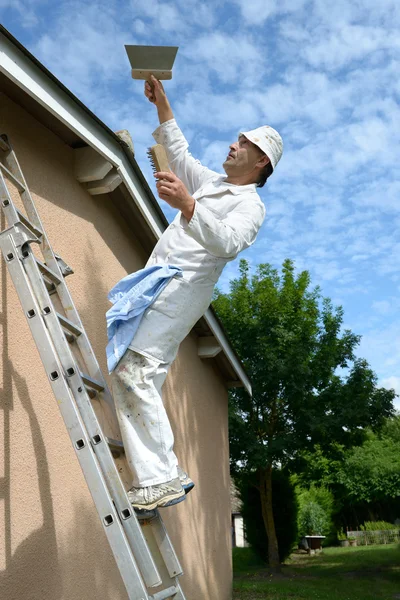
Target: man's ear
column 263, row 161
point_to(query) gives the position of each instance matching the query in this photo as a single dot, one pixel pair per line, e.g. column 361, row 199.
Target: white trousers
column 141, row 372
column 145, row 427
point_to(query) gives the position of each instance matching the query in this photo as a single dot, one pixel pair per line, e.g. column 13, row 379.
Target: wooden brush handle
column 159, row 158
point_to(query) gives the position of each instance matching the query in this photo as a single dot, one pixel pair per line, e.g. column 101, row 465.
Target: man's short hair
column 265, row 173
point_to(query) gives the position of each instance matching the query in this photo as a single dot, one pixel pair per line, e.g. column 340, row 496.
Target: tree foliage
column 291, row 342
column 371, row 472
column 323, row 498
column 313, row 519
column 365, row 479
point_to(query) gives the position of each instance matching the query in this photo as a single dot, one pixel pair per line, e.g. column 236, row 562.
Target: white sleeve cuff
column 163, row 129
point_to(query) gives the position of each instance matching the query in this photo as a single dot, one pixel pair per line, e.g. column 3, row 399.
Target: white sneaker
column 185, row 480
column 159, row 495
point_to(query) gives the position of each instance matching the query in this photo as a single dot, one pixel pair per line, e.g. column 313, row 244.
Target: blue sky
column 326, row 75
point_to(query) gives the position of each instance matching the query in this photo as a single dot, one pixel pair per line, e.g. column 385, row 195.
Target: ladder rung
column 38, row 232
column 69, row 325
column 92, row 386
column 164, row 594
column 48, row 273
column 116, row 447
column 12, row 178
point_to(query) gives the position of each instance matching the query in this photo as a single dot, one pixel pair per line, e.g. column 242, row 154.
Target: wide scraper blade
column 151, row 60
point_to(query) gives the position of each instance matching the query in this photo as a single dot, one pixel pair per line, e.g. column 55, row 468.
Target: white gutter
column 24, row 73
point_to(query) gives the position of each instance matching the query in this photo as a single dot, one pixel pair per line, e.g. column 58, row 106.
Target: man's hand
column 171, row 189
column 155, row 93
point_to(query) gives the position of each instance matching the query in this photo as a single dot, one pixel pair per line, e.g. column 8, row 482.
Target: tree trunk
column 268, row 517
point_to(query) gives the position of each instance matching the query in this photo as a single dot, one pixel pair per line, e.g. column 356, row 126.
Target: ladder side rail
column 100, row 445
column 82, row 341
column 14, row 167
column 167, row 562
column 65, row 297
column 165, row 546
column 7, row 205
column 73, row 422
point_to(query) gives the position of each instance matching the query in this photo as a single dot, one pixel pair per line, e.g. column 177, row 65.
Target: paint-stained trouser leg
column 145, row 427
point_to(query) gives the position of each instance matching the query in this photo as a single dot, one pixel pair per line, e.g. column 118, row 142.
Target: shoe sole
column 173, row 502
column 163, row 502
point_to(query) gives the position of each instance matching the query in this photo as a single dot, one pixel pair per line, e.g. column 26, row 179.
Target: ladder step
column 70, row 327
column 48, row 273
column 92, row 386
column 38, row 232
column 165, row 594
column 12, row 178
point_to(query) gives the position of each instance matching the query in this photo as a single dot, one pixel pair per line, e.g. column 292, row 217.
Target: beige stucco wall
column 52, row 545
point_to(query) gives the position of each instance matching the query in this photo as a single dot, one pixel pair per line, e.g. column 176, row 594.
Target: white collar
column 232, row 187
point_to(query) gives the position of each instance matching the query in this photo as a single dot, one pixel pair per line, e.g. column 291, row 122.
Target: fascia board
column 24, row 73
column 216, row 329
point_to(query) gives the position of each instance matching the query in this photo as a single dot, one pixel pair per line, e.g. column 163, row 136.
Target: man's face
column 242, row 158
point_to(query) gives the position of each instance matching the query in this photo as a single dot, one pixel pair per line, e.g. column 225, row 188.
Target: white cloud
column 349, row 44
column 230, row 57
column 256, row 12
column 26, row 10
column 382, row 307
column 221, row 112
column 392, row 383
column 183, row 17
column 91, row 59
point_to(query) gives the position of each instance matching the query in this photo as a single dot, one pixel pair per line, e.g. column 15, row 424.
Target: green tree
column 321, row 496
column 371, row 472
column 364, row 480
column 313, row 519
column 291, row 343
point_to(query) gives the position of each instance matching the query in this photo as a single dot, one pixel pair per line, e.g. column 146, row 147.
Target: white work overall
column 226, row 220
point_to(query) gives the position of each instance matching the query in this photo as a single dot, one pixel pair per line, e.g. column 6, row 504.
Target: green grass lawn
column 361, row 573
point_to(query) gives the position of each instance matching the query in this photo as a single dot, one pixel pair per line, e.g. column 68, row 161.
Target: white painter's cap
column 268, row 140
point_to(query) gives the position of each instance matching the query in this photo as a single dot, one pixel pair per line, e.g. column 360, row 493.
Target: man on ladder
column 220, row 215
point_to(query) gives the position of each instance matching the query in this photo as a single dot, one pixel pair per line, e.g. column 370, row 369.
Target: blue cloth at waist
column 130, row 298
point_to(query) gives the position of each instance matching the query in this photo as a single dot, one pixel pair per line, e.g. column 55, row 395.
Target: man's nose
column 234, row 146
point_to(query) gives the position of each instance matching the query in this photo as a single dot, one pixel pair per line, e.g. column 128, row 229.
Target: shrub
column 284, row 506
column 313, row 520
column 323, row 497
column 379, row 532
column 378, row 526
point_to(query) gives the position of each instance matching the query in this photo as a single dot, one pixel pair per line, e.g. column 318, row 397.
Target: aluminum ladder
column 140, row 544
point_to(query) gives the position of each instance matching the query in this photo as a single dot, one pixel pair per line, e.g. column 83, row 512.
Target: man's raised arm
column 189, row 170
column 156, row 95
